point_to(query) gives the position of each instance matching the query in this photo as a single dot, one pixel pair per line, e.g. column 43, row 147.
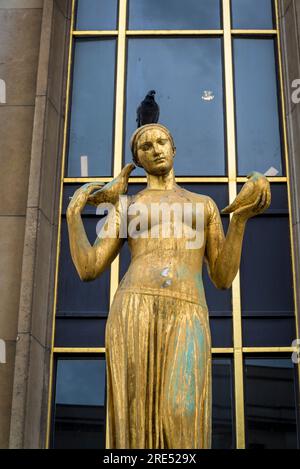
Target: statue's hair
column 138, row 133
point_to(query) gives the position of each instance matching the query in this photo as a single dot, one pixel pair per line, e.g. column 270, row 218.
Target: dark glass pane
column 252, row 14
column 270, row 407
column 257, row 115
column 221, row 330
column 223, row 428
column 266, row 280
column 92, row 110
column 266, row 274
column 187, row 76
column 174, row 14
column 79, row 404
column 80, row 332
column 96, row 14
column 268, row 331
column 74, row 296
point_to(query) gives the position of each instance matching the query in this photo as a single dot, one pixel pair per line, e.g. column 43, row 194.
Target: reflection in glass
column 96, row 14
column 91, row 122
column 223, row 432
column 174, row 14
column 270, row 407
column 74, row 296
column 252, row 14
column 257, row 116
column 79, row 404
column 181, row 71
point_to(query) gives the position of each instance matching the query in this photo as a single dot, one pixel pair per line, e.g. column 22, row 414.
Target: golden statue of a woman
column 158, row 346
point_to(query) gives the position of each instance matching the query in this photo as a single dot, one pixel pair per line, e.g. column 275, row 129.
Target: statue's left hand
column 254, row 197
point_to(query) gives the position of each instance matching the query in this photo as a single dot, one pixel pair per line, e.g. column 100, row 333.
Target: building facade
column 71, row 76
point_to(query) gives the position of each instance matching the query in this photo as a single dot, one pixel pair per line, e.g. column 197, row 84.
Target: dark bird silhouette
column 148, row 110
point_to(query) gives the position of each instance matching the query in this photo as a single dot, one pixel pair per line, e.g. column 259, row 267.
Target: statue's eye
column 146, row 146
column 162, row 141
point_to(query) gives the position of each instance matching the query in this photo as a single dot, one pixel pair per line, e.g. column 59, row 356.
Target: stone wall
column 20, row 27
column 33, row 56
column 290, row 43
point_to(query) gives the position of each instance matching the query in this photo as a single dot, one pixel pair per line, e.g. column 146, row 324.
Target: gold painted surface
column 158, row 348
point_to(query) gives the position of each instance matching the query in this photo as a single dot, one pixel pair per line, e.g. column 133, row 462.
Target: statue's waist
column 156, row 292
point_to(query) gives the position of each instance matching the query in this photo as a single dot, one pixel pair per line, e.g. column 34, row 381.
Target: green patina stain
column 183, row 271
column 184, row 379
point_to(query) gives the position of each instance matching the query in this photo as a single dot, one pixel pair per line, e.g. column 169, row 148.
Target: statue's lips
column 160, row 159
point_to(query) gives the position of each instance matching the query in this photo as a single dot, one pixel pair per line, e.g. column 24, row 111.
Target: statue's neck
column 164, row 182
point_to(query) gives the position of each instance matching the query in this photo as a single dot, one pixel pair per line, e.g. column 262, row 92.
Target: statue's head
column 153, row 149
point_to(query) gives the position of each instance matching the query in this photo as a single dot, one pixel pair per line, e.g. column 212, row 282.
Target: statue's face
column 155, row 152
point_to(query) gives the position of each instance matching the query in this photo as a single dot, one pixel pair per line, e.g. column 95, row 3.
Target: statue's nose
column 156, row 149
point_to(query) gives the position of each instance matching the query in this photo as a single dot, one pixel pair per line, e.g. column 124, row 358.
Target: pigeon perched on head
column 148, row 110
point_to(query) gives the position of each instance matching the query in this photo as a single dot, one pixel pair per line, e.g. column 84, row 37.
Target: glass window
column 174, row 14
column 96, row 14
column 74, row 296
column 92, row 109
column 252, row 14
column 188, row 79
column 270, row 403
column 266, row 277
column 79, row 414
column 257, row 113
column 223, row 426
column 84, row 331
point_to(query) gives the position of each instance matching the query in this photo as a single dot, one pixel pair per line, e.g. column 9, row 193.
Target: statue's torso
column 168, row 265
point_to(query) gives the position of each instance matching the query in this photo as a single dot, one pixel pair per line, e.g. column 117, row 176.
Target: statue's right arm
column 90, row 261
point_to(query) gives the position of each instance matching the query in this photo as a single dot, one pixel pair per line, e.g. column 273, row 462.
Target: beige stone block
column 49, row 176
column 18, row 410
column 11, row 251
column 294, row 159
column 21, row 3
column 15, row 137
column 36, row 151
column 43, row 284
column 45, row 40
column 296, row 236
column 34, row 435
column 290, row 55
column 20, row 41
column 64, row 6
column 27, row 285
column 284, row 5
column 6, row 386
column 57, row 58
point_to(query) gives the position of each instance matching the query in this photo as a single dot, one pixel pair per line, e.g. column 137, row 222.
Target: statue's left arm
column 223, row 254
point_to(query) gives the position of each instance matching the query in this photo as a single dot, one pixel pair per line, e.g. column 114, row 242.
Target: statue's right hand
column 80, row 197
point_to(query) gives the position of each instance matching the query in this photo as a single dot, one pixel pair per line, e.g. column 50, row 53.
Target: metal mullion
column 175, row 32
column 232, row 173
column 68, row 92
column 112, row 33
column 286, row 159
column 254, row 32
column 270, row 179
column 269, row 350
column 101, row 350
column 77, row 350
column 180, row 179
column 119, row 116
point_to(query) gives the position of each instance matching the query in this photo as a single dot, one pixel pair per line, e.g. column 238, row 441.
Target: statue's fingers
column 262, row 202
column 227, row 209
